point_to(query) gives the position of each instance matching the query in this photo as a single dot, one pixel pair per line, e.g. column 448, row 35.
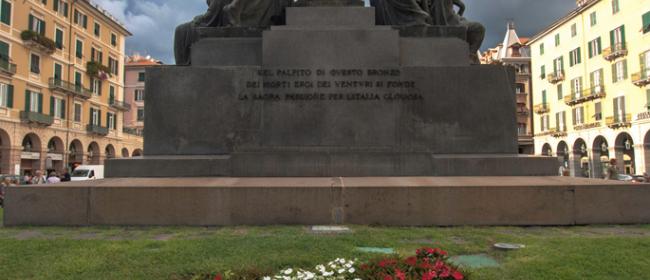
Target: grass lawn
column 611, row 252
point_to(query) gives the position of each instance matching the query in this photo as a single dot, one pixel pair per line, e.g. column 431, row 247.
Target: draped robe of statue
column 246, row 13
column 401, row 12
column 443, row 13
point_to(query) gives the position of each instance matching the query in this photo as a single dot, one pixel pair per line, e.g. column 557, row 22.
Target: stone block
column 433, row 52
column 612, row 204
column 330, row 16
column 46, row 206
column 227, row 52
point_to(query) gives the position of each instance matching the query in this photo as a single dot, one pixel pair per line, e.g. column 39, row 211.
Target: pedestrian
column 66, row 176
column 38, row 178
column 27, row 178
column 6, row 182
column 53, row 179
column 612, row 170
column 562, row 170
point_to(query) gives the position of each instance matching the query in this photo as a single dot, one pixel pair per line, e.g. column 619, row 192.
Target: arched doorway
column 137, row 153
column 75, row 154
column 54, row 157
column 109, row 151
column 547, row 150
column 5, row 153
column 624, row 149
column 125, row 152
column 580, row 159
column 563, row 154
column 93, row 154
column 600, row 160
column 30, row 157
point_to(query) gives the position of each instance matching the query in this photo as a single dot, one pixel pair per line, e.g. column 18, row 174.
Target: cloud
column 152, row 22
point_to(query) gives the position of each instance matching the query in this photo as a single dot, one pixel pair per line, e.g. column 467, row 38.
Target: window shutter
column 561, row 63
column 571, row 61
column 646, row 22
column 27, row 100
column 591, row 50
column 598, row 108
column 623, row 36
column 65, row 9
column 573, row 111
column 622, row 98
column 624, row 69
column 557, row 121
column 59, row 39
column 10, row 96
column 115, row 121
column 99, row 117
column 56, row 5
column 92, row 54
column 616, row 108
column 63, row 113
column 599, row 45
column 76, row 16
column 6, row 13
column 642, row 60
column 555, row 62
column 108, row 119
column 579, row 56
column 90, row 120
column 591, row 80
column 40, row 103
column 85, row 23
column 31, row 23
column 614, row 73
column 99, row 90
column 647, row 98
column 612, row 40
column 52, row 106
column 43, row 27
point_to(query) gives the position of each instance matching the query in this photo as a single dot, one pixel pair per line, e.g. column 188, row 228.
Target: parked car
column 88, row 172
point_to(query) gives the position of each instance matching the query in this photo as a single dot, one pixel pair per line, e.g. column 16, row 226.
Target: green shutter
column 42, row 26
column 591, row 50
column 57, row 72
column 612, row 40
column 56, row 5
column 99, row 117
column 65, row 9
column 646, row 22
column 623, row 36
column 625, row 69
column 591, row 79
column 647, row 98
column 10, row 96
column 40, row 103
column 99, row 90
column 614, row 73
column 90, row 120
column 543, row 97
column 642, row 60
column 85, row 23
column 31, row 23
column 52, row 106
column 76, row 16
column 80, row 47
column 63, row 109
column 5, row 17
column 108, row 119
column 571, row 62
column 59, row 39
column 28, row 96
column 600, row 46
column 579, row 56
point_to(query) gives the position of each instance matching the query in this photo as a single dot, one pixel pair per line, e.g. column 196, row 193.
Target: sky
column 152, row 22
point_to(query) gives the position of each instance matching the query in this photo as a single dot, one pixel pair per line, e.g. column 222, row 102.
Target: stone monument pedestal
column 330, row 119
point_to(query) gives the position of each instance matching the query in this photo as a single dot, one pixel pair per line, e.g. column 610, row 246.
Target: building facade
column 590, row 87
column 134, row 90
column 515, row 53
column 61, row 86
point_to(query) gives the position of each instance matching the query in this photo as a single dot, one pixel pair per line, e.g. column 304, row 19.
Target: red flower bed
column 427, row 264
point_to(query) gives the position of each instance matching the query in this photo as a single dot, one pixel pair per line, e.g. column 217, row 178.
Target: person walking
column 66, row 176
column 38, row 178
column 612, row 170
column 53, row 179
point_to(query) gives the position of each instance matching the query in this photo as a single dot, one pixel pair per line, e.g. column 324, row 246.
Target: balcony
column 522, row 97
column 120, row 105
column 38, row 42
column 96, row 129
column 541, row 108
column 69, row 88
column 523, row 111
column 36, row 118
column 7, row 68
column 133, row 131
column 593, row 93
column 642, row 78
column 586, row 126
column 556, row 77
column 557, row 133
column 619, row 121
column 615, row 51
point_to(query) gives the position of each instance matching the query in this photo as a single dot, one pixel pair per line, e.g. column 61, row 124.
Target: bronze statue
column 443, row 13
column 401, row 12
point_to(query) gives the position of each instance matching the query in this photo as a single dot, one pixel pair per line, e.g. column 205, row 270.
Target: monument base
column 392, row 201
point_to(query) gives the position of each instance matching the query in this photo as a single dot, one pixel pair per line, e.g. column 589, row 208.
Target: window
column 140, row 114
column 592, row 19
column 576, row 87
column 33, row 102
column 645, row 21
column 96, row 55
column 6, row 95
column 4, row 54
column 97, row 29
column 558, row 65
column 595, row 47
column 647, row 99
column 80, row 19
column 596, row 79
column 543, row 96
column 97, row 86
column 544, row 121
column 77, row 112
column 574, row 57
column 94, row 117
column 578, row 116
column 57, row 107
column 44, row 2
column 541, row 49
column 113, row 40
column 557, row 40
column 78, row 80
column 139, row 95
column 35, row 64
column 80, row 49
column 5, row 12
column 113, row 65
column 617, row 38
column 37, row 25
column 560, row 93
column 111, row 94
column 619, row 108
column 560, row 121
column 543, row 71
column 61, row 7
column 598, row 111
column 111, row 121
column 615, row 7
column 58, row 38
column 141, row 77
column 619, row 71
column 574, row 30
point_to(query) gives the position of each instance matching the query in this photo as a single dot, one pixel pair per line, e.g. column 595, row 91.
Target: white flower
column 351, row 270
column 266, row 278
column 288, row 271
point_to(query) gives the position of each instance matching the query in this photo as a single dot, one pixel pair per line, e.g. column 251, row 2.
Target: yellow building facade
column 590, row 87
column 61, row 86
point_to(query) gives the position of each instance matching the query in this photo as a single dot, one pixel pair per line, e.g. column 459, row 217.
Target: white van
column 88, row 172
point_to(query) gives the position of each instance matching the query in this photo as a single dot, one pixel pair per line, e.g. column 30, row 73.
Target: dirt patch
column 28, row 234
column 86, row 236
column 163, row 237
column 615, row 231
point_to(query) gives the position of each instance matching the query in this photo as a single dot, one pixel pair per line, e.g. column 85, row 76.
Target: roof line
column 562, row 20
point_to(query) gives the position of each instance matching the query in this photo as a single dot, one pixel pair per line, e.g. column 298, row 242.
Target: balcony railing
column 641, row 78
column 69, row 88
column 619, row 121
column 96, row 129
column 523, row 111
column 38, row 42
column 556, row 77
column 120, row 105
column 133, row 131
column 36, row 118
column 585, row 95
column 541, row 108
column 586, row 126
column 615, row 51
column 7, row 67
